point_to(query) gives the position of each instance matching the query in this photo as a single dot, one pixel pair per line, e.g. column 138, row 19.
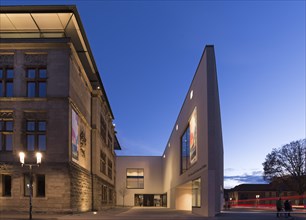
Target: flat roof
column 51, row 22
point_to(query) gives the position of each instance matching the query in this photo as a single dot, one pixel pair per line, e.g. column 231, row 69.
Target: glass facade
column 196, row 193
column 185, row 150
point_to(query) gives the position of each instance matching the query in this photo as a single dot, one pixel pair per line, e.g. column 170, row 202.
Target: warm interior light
column 21, row 157
column 38, row 157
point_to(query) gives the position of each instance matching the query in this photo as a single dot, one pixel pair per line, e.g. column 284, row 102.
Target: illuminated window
column 189, row 152
column 36, row 135
column 6, row 185
column 196, row 193
column 6, row 82
column 36, row 82
column 6, row 135
column 185, row 150
column 134, row 178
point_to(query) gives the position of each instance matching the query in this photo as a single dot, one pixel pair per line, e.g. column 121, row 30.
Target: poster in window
column 74, row 135
column 193, row 137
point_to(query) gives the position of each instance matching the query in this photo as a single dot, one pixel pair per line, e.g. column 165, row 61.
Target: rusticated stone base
column 81, row 185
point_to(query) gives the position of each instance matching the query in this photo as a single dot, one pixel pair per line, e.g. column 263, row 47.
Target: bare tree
column 287, row 165
column 123, row 191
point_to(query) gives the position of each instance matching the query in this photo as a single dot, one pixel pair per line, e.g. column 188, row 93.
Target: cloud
column 234, row 177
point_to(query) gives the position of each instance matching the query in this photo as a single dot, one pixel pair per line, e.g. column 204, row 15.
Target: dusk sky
column 147, row 53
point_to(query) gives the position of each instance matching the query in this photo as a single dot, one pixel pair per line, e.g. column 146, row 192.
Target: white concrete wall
column 152, row 176
column 209, row 165
column 183, row 199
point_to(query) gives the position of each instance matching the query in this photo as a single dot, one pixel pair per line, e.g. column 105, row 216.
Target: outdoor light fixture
column 30, row 185
column 176, row 127
column 21, row 156
column 191, row 94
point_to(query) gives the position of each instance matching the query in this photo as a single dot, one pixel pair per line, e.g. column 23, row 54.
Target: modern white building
column 189, row 174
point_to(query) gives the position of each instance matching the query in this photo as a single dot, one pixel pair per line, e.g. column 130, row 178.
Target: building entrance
column 156, row 200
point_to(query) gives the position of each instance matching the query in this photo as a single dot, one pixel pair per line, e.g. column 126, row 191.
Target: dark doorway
column 157, row 200
column 148, row 200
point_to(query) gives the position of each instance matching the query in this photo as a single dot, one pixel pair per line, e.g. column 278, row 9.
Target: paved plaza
column 156, row 213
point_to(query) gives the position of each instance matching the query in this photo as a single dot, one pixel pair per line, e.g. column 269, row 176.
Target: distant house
column 263, row 195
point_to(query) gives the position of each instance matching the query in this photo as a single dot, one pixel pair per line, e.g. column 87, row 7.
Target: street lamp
column 30, row 165
column 257, row 199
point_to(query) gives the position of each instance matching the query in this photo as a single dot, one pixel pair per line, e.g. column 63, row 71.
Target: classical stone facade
column 52, row 100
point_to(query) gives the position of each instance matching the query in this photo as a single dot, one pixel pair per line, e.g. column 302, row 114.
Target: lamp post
column 30, row 165
column 257, row 200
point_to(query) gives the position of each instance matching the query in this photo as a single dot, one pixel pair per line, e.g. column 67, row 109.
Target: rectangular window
column 196, row 193
column 189, row 146
column 6, row 82
column 26, row 185
column 110, row 195
column 37, row 82
column 135, row 178
column 102, row 127
column 109, row 168
column 110, row 141
column 102, row 162
column 6, row 185
column 36, row 135
column 40, row 184
column 185, row 150
column 6, row 135
column 104, row 194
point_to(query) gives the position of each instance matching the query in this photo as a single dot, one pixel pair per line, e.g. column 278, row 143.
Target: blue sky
column 147, row 53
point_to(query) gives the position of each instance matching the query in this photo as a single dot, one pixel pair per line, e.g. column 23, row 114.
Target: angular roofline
column 61, row 9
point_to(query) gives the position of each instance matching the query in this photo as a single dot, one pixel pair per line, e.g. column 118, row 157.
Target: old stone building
column 52, row 100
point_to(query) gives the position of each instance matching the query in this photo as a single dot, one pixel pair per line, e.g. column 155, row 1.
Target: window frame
column 103, row 128
column 109, row 168
column 4, row 80
column 38, row 179
column 103, row 194
column 4, row 133
column 102, row 162
column 36, row 133
column 5, row 191
column 186, row 134
column 138, row 177
column 37, row 80
column 196, row 201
